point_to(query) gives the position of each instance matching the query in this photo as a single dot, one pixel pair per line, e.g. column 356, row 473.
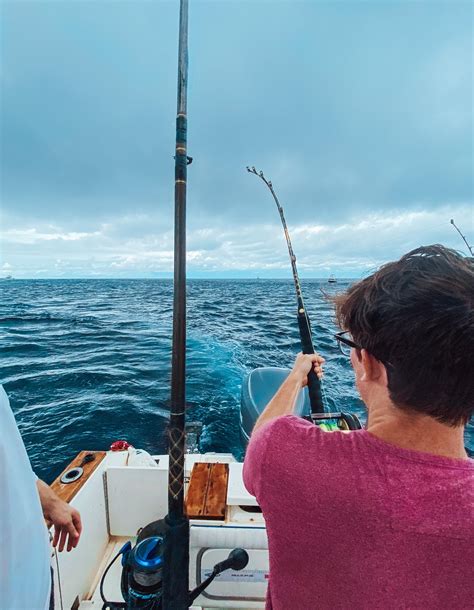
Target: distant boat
column 332, row 280
column 7, row 277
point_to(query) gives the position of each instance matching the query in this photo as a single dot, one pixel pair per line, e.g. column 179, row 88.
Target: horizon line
column 169, row 278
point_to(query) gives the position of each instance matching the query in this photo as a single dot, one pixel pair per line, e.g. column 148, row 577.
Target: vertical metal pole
column 176, row 555
column 178, row 374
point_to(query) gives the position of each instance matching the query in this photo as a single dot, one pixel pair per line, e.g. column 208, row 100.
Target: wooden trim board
column 207, row 492
column 67, row 491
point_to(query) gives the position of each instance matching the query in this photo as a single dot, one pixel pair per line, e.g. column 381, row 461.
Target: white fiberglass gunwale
column 117, row 500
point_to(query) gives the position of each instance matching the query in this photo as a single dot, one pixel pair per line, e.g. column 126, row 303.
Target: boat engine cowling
column 258, row 388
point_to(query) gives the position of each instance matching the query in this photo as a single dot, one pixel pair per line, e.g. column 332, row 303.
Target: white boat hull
column 117, row 500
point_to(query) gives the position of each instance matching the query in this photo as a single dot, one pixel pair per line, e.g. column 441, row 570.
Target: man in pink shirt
column 382, row 517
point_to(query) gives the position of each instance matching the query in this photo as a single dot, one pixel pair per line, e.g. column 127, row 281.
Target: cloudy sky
column 361, row 112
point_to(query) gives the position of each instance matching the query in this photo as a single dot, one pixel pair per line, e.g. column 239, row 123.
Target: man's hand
column 283, row 403
column 67, row 525
column 303, row 364
column 65, row 518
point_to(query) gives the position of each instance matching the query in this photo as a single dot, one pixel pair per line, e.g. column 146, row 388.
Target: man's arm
column 283, row 403
column 65, row 518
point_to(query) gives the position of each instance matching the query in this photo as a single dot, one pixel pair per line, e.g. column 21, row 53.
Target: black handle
column 89, row 457
column 315, row 394
column 314, row 385
column 237, row 560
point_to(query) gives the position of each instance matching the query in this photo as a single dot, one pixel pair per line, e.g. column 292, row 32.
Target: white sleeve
column 20, row 504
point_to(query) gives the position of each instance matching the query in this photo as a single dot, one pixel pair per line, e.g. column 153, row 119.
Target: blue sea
column 87, row 362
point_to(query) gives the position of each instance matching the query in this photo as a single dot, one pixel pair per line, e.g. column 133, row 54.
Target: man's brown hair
column 416, row 316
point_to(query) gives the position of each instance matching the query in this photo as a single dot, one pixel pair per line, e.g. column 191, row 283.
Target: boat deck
column 116, row 500
column 112, row 591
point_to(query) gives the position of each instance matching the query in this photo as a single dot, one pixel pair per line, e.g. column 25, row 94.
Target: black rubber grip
column 314, row 385
column 315, row 396
column 305, row 335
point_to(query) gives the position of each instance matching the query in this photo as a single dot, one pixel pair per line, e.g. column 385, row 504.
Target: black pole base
column 176, row 565
column 176, row 560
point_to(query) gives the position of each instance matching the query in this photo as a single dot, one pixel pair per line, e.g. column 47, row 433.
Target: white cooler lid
column 237, row 495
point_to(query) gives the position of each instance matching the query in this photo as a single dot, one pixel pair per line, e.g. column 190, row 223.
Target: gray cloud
column 349, row 249
column 354, row 109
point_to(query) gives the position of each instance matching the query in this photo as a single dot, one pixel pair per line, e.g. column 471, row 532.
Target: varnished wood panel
column 197, row 490
column 216, row 498
column 207, row 492
column 67, row 491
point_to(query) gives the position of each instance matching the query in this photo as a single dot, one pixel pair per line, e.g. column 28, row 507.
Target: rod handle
column 314, row 384
column 315, row 395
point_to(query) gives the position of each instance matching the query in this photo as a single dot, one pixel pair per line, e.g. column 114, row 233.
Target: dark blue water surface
column 87, row 362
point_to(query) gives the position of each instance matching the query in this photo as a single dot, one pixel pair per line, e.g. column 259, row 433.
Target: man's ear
column 372, row 369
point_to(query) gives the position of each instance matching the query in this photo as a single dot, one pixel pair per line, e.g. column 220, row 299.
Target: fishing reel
column 142, row 570
column 330, row 422
column 141, row 582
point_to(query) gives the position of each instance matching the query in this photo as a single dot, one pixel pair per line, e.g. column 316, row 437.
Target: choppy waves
column 86, row 362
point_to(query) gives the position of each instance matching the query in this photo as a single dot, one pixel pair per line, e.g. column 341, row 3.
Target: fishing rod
column 176, row 554
column 155, row 569
column 176, row 595
column 463, row 237
column 315, row 389
column 304, row 325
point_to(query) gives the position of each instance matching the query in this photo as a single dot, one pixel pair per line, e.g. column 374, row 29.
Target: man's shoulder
column 284, row 432
column 282, row 428
column 292, row 437
column 287, row 443
column 266, row 443
column 286, row 423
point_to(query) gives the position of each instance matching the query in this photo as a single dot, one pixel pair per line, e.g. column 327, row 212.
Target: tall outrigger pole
column 175, row 582
column 463, row 237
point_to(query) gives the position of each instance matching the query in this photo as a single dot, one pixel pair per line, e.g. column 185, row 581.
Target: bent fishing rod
column 315, row 389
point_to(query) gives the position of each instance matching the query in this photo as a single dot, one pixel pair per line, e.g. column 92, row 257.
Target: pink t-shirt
column 354, row 522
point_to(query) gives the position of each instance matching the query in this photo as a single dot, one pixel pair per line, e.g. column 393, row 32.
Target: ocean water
column 87, row 362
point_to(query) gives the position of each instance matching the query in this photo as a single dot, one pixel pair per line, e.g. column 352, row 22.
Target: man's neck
column 417, row 432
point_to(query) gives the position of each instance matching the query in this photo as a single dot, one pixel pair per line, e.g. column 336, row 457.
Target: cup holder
column 71, row 475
